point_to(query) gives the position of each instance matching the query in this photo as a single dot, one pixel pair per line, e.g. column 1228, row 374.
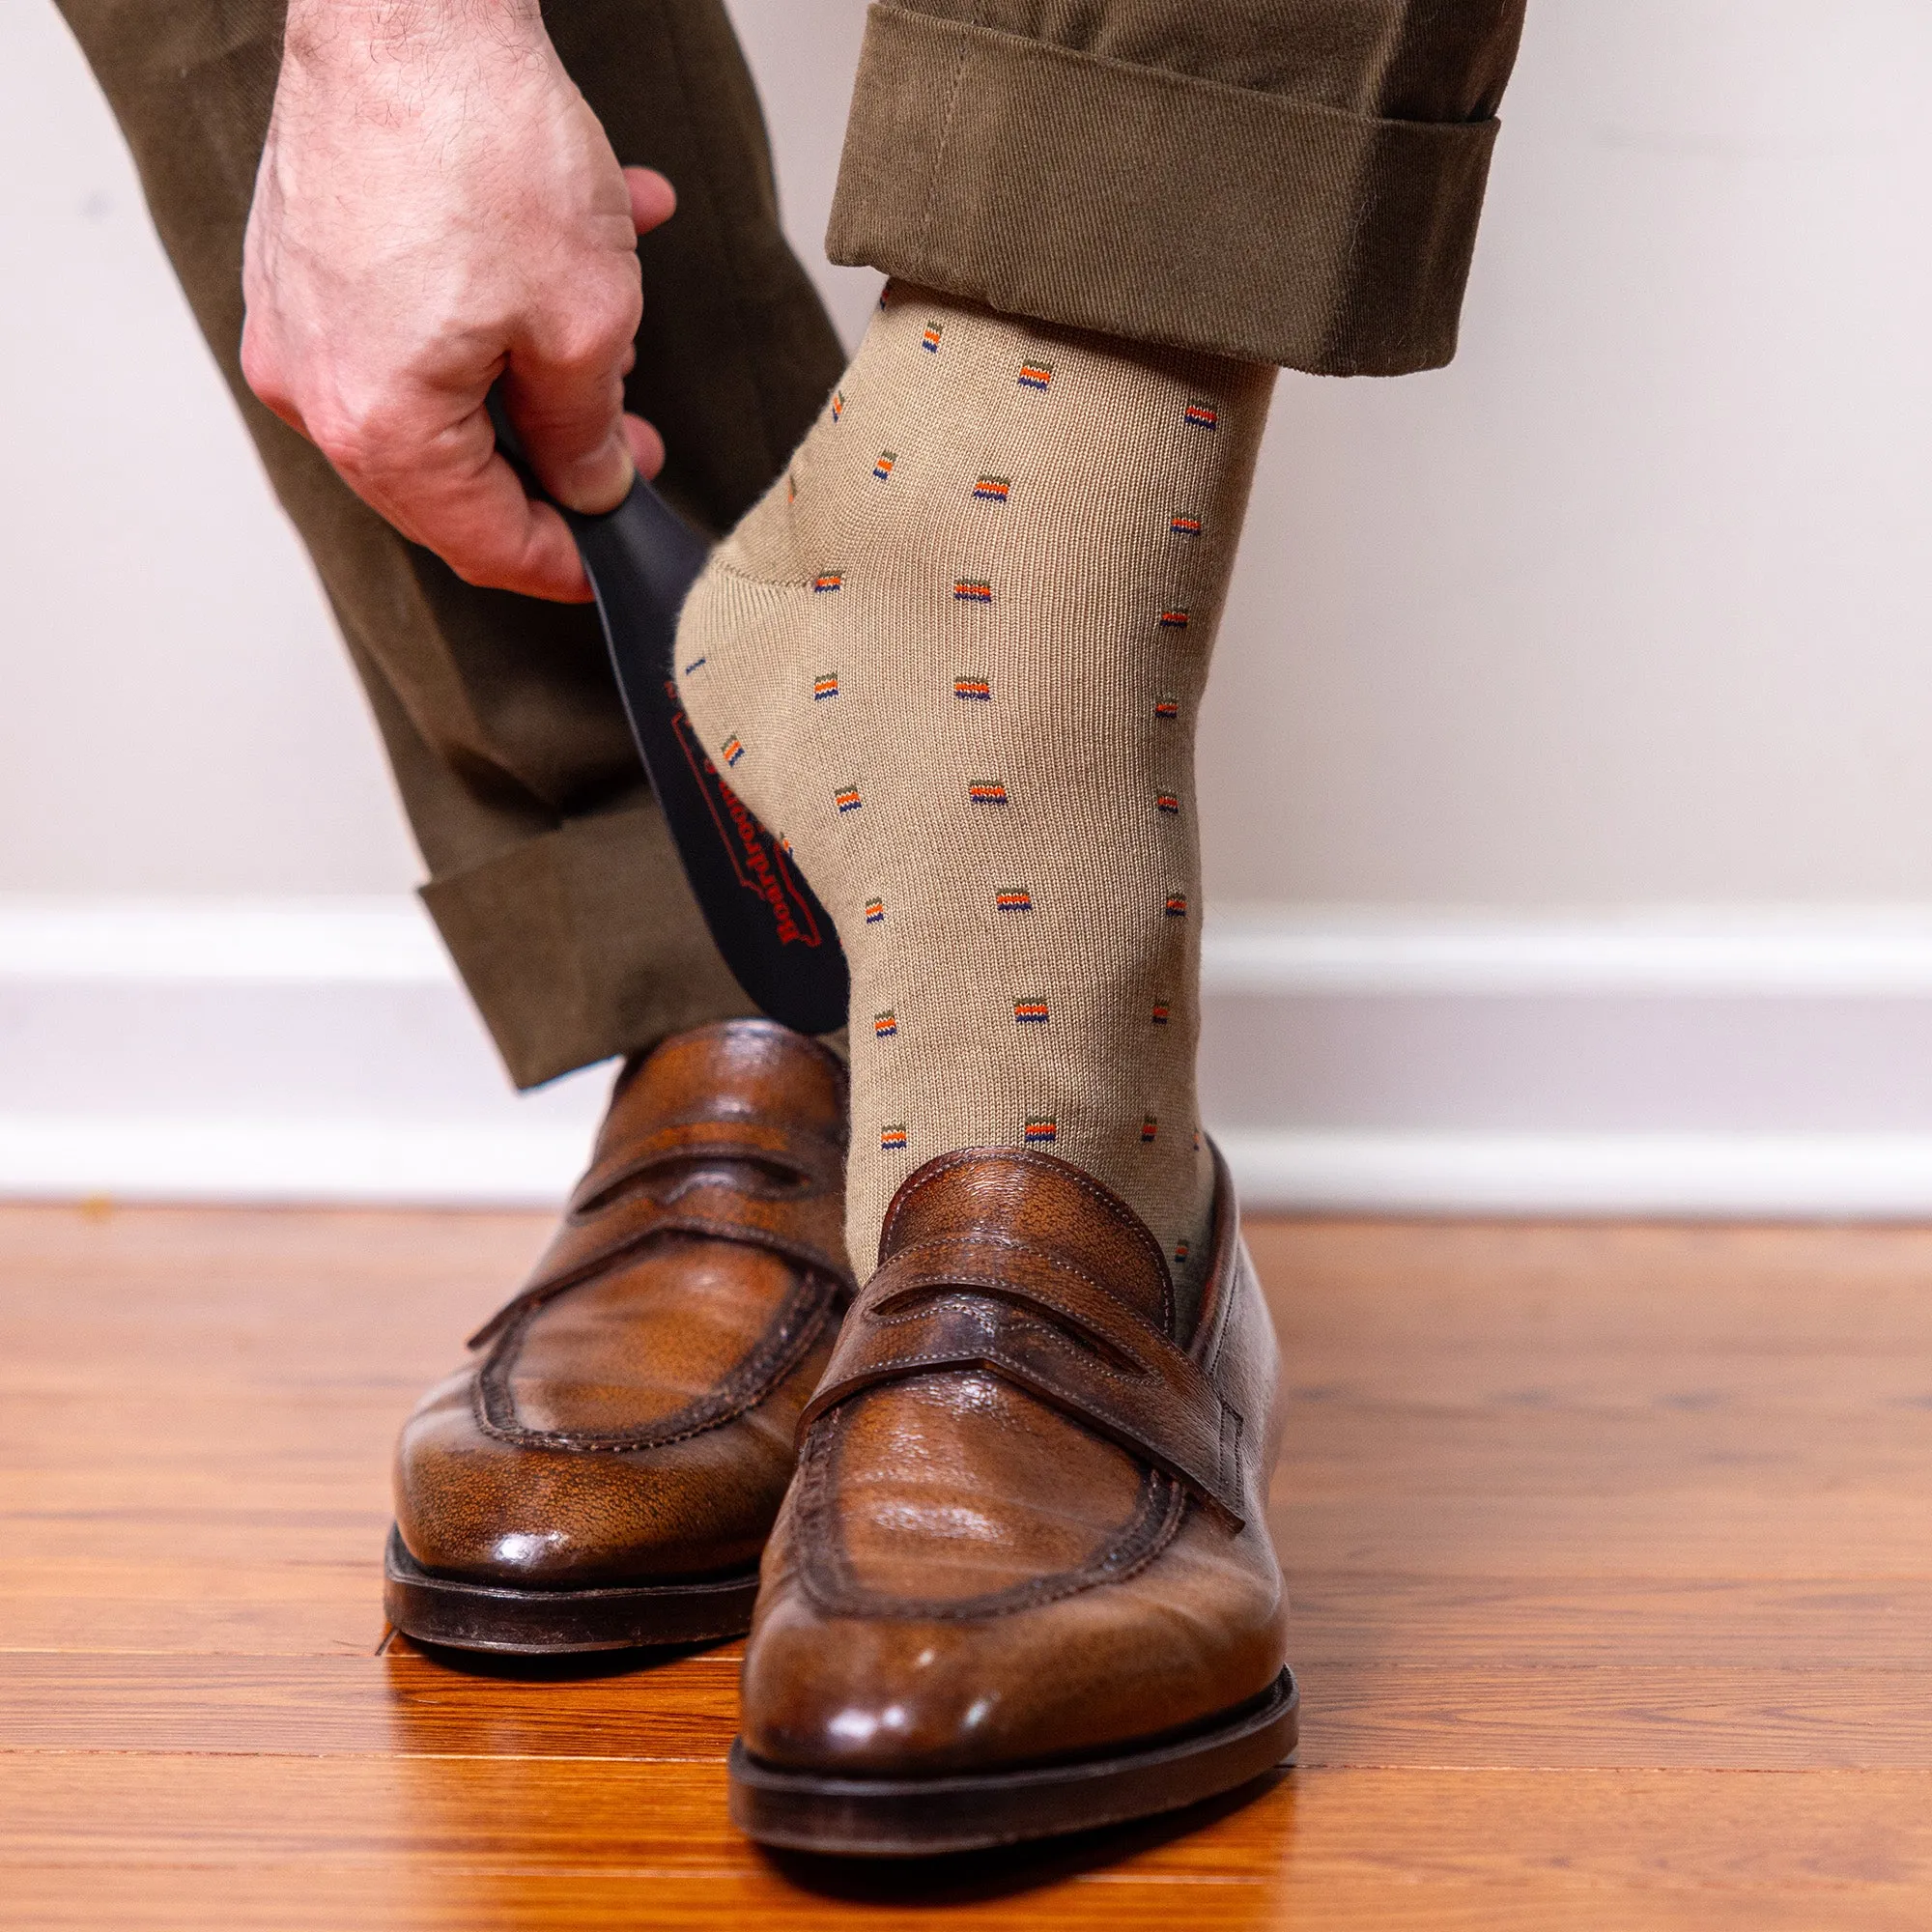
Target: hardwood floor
column 1611, row 1550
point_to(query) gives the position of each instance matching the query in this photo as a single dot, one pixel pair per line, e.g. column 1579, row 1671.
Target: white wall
column 1627, row 605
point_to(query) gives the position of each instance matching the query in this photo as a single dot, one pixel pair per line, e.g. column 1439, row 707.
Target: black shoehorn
column 641, row 560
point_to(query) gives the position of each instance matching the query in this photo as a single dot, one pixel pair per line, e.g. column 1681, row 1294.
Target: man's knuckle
column 369, row 436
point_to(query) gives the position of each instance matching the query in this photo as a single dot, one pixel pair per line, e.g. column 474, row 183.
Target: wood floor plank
column 1706, row 1530
column 1589, row 1717
column 399, row 1704
column 1670, row 1288
column 1411, row 1617
column 1608, row 1716
column 402, row 1897
column 1662, row 1829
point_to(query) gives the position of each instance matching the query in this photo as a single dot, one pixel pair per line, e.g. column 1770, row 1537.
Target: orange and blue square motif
column 733, row 751
column 929, row 341
column 993, row 489
column 847, row 798
column 1040, row 1131
column 1200, row 416
column 825, row 685
column 1184, row 527
column 1030, row 1011
column 875, row 912
column 885, row 1025
column 973, row 590
column 1013, row 898
column 1035, row 375
column 1176, row 905
column 828, row 580
column 1166, row 801
column 1167, row 709
column 883, row 468
column 892, row 1139
column 1150, row 1128
column 966, row 685
column 1173, row 620
column 1161, row 1012
column 988, row 791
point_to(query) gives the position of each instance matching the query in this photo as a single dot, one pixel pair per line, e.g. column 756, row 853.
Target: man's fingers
column 653, row 199
column 460, row 499
column 492, row 534
column 567, row 402
column 564, row 387
column 647, row 446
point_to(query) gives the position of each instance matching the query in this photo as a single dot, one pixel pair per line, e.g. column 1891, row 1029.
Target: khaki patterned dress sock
column 954, row 660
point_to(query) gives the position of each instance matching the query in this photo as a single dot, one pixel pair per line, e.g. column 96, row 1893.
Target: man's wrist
column 332, row 34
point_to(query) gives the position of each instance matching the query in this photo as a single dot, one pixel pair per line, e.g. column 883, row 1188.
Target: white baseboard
column 1685, row 1063
column 1712, row 1175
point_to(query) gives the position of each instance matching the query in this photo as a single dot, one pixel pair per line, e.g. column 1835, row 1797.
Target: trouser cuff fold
column 1141, row 202
column 582, row 943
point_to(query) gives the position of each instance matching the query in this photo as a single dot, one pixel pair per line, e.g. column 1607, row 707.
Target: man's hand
column 437, row 206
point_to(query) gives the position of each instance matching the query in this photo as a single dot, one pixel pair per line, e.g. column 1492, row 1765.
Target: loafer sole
column 542, row 1623
column 919, row 1817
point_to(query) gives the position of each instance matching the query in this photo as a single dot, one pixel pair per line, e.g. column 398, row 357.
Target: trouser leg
column 1278, row 181
column 550, row 873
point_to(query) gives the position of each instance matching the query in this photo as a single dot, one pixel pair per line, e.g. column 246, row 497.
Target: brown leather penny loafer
column 606, row 1469
column 1023, row 1582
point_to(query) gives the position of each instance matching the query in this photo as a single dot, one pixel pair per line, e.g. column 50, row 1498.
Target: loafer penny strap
column 708, row 1189
column 766, row 1145
column 1042, row 1323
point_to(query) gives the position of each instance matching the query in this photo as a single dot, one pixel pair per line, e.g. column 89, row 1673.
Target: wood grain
column 1608, row 1550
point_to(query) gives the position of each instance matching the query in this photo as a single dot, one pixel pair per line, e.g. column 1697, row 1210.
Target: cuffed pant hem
column 1072, row 188
column 582, row 943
